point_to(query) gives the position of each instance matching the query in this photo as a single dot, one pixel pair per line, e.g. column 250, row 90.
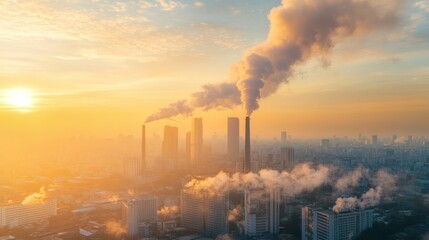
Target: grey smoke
column 299, row 31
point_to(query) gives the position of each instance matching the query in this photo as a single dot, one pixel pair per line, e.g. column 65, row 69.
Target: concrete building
column 233, row 145
column 262, row 211
column 374, row 139
column 17, row 214
column 287, row 158
column 130, row 218
column 283, row 138
column 321, row 224
column 196, row 141
column 207, row 214
column 188, row 147
column 170, row 147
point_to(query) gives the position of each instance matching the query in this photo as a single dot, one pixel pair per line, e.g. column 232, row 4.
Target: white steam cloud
column 385, row 184
column 114, row 228
column 300, row 30
column 303, row 177
column 351, row 179
column 35, row 198
column 168, row 211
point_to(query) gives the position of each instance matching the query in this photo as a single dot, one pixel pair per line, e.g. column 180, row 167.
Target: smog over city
column 214, row 119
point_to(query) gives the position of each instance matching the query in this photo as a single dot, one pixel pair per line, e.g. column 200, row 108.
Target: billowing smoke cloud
column 350, row 179
column 303, row 177
column 235, row 213
column 114, row 228
column 168, row 211
column 385, row 184
column 35, row 198
column 299, row 31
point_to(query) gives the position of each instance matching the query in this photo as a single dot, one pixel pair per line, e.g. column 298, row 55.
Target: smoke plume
column 302, row 178
column 385, row 184
column 168, row 211
column 235, row 213
column 115, row 228
column 35, row 198
column 350, row 179
column 300, row 30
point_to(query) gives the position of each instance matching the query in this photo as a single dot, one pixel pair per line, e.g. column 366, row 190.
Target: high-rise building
column 233, row 140
column 130, row 220
column 143, row 156
column 196, row 141
column 17, row 214
column 287, row 158
column 139, row 210
column 262, row 211
column 374, row 139
column 247, row 165
column 320, row 224
column 188, row 147
column 170, row 147
column 324, row 143
column 205, row 213
column 283, row 138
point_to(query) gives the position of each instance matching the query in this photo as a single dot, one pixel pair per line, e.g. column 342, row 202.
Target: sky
column 101, row 67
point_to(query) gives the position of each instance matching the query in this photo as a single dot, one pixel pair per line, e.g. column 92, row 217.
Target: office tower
column 16, row 214
column 262, row 211
column 283, row 138
column 327, row 225
column 143, row 157
column 130, row 220
column 170, row 147
column 324, row 143
column 374, row 139
column 287, row 158
column 233, row 140
column 246, row 167
column 147, row 207
column 207, row 214
column 188, row 147
column 196, row 141
column 131, row 168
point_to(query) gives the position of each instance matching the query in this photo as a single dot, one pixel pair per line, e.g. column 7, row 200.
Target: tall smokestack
column 247, row 147
column 143, row 161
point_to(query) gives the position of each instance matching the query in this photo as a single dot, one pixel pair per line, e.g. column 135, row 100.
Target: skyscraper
column 205, row 213
column 188, row 147
column 247, row 167
column 374, row 139
column 328, row 225
column 287, row 158
column 233, row 139
column 196, row 141
column 262, row 212
column 170, row 147
column 283, row 138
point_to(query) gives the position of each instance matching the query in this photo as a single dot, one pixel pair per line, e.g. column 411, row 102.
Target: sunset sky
column 101, row 67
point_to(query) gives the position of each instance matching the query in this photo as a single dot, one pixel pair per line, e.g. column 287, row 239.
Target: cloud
column 423, row 5
column 199, row 4
column 169, row 5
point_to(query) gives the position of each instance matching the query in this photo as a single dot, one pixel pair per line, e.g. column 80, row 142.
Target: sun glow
column 19, row 98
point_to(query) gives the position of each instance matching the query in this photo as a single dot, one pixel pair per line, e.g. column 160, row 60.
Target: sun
column 18, row 98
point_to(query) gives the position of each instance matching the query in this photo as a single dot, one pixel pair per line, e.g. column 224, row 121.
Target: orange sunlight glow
column 18, row 98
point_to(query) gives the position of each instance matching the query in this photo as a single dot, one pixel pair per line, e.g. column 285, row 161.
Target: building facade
column 14, row 215
column 262, row 212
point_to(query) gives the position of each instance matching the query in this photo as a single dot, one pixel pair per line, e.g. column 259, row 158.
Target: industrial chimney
column 246, row 167
column 143, row 157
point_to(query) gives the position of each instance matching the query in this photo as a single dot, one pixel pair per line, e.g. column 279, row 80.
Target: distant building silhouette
column 374, row 139
column 247, row 161
column 283, row 138
column 196, row 141
column 188, row 148
column 287, row 158
column 233, row 145
column 170, row 147
column 143, row 156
